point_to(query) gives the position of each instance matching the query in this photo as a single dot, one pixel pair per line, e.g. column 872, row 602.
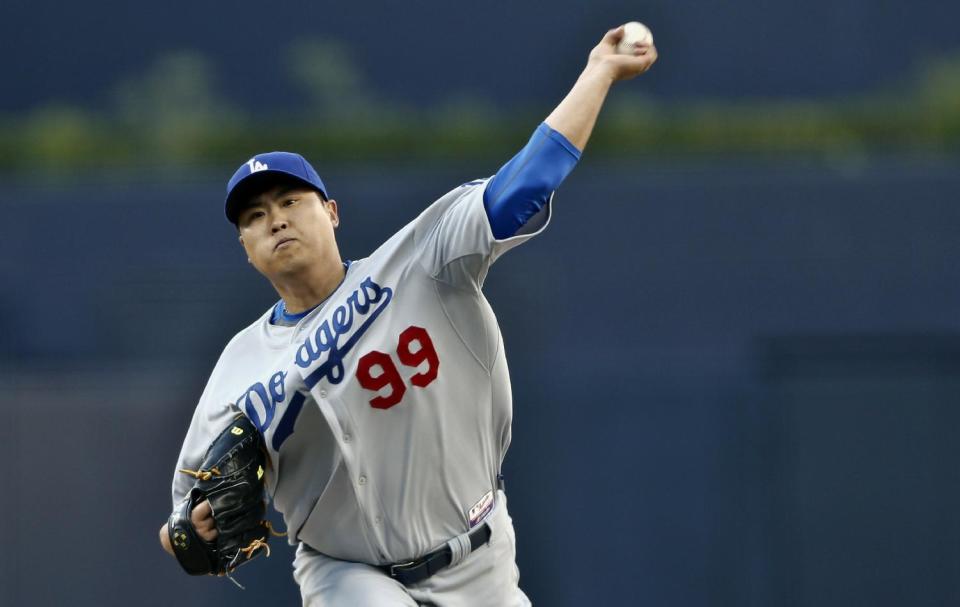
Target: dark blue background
column 735, row 383
column 736, row 380
column 424, row 52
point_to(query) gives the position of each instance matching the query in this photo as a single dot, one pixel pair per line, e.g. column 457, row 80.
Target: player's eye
column 289, row 201
column 253, row 216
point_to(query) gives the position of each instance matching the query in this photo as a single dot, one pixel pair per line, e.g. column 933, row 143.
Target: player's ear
column 240, row 240
column 332, row 210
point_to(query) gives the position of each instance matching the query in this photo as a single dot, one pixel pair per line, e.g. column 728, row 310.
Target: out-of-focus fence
column 736, row 383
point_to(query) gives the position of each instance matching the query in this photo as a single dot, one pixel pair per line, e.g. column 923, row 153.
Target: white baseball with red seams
column 634, row 33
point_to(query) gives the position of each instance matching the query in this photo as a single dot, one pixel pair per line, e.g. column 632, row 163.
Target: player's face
column 287, row 229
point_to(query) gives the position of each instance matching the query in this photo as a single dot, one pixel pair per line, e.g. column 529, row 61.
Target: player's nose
column 278, row 223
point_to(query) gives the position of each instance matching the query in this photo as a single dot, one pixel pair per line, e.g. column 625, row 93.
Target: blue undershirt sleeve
column 523, row 186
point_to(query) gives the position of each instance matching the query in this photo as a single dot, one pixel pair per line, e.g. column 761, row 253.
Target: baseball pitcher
column 372, row 403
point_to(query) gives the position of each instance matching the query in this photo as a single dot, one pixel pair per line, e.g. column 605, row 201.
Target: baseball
column 634, row 33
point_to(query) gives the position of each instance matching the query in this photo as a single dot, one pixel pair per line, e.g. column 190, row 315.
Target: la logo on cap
column 255, row 165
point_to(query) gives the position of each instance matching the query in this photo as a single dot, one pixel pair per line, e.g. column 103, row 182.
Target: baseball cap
column 262, row 169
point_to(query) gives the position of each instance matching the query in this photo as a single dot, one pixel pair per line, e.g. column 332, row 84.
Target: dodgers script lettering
column 322, row 353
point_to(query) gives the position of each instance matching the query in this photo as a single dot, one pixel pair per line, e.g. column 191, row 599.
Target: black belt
column 421, row 569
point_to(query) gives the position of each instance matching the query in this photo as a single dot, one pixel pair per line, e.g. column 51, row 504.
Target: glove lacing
column 202, row 475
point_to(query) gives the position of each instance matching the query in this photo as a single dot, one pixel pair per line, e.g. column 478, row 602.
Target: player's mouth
column 283, row 242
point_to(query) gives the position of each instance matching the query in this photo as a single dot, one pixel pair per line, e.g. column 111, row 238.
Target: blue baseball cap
column 262, row 169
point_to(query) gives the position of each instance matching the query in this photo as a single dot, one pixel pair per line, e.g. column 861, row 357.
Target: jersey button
column 323, row 393
column 378, row 520
column 347, row 438
column 362, row 480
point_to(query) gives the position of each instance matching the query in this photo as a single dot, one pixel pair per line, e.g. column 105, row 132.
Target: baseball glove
column 231, row 479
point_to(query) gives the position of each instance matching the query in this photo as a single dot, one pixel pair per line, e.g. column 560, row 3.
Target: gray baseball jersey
column 387, row 409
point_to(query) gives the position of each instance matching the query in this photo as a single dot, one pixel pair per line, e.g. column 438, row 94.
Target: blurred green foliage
column 173, row 115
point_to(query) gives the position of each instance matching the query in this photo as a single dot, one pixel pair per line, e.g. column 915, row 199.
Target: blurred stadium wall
column 735, row 352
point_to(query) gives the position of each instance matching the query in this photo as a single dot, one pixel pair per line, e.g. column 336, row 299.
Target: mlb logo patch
column 481, row 509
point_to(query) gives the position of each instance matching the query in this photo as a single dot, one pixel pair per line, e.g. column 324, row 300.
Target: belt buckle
column 402, row 567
